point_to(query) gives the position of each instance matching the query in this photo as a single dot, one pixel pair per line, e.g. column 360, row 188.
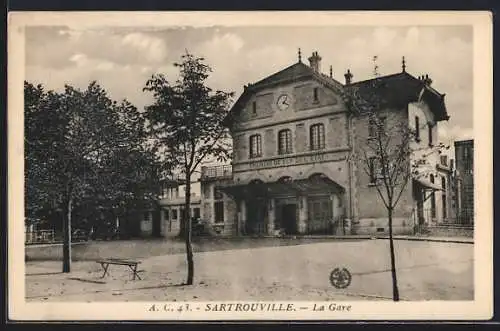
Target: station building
column 292, row 170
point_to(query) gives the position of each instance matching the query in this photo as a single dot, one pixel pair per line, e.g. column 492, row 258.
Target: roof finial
column 300, row 56
column 331, row 72
column 404, row 64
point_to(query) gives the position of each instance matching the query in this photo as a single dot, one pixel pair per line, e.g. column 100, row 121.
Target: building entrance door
column 256, row 217
column 289, row 218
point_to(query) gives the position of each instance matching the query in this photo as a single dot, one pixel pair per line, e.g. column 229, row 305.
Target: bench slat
column 120, row 262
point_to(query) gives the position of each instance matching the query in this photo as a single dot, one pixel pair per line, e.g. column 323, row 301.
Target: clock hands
column 283, row 101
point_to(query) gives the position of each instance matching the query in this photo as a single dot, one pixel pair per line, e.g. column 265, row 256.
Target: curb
column 454, row 241
column 367, row 237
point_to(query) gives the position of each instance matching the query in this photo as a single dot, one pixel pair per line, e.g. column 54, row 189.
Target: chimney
column 427, row 80
column 348, row 77
column 315, row 62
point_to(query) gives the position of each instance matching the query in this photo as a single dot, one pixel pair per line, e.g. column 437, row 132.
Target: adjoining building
column 166, row 219
column 464, row 155
column 293, row 170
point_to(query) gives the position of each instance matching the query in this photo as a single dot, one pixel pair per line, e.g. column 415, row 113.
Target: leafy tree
column 83, row 149
column 43, row 124
column 186, row 122
column 388, row 155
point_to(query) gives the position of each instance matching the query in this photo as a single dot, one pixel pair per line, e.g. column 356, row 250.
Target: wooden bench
column 130, row 263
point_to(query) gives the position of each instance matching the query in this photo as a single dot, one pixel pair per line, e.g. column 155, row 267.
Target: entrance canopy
column 426, row 184
column 316, row 184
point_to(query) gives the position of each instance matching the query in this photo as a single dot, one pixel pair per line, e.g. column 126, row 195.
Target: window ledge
column 252, row 157
column 372, row 185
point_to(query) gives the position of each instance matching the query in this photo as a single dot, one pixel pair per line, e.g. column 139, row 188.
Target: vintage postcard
column 225, row 166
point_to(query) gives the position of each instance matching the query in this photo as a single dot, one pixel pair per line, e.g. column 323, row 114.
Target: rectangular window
column 372, row 169
column 430, row 134
column 196, row 212
column 433, row 205
column 417, row 129
column 166, row 214
column 381, row 125
column 255, row 146
column 444, row 207
column 254, row 107
column 371, row 128
column 315, row 94
column 285, row 142
column 433, row 199
column 219, row 212
column 376, row 125
column 174, row 214
column 217, row 194
column 146, row 216
column 317, row 136
column 206, row 192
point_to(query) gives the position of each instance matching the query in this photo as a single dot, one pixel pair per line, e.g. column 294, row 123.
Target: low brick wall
column 378, row 226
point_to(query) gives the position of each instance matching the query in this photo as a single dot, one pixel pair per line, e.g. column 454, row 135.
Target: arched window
column 255, row 146
column 285, row 141
column 317, row 136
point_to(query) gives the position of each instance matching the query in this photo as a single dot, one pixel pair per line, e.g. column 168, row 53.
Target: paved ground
column 426, row 271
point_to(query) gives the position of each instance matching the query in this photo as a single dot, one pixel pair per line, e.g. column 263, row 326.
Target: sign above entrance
column 333, row 156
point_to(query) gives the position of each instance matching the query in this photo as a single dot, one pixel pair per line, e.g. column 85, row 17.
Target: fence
column 41, row 237
column 224, row 171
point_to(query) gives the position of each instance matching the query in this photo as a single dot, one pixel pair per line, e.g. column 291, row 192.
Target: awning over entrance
column 426, row 184
column 284, row 188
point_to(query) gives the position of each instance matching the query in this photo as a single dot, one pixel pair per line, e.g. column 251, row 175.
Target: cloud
column 122, row 60
column 53, row 48
column 79, row 59
column 153, row 48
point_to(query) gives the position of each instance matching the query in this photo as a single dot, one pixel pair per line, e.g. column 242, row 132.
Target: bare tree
column 388, row 154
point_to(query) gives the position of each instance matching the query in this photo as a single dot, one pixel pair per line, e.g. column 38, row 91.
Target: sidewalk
column 458, row 240
column 300, row 272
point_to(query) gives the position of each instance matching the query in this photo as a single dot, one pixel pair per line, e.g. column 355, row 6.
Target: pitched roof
column 295, row 72
column 397, row 89
column 401, row 88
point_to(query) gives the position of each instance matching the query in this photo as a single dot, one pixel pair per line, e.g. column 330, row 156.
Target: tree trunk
column 395, row 291
column 67, row 237
column 187, row 232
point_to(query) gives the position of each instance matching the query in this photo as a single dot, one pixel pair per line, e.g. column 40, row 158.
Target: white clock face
column 283, row 101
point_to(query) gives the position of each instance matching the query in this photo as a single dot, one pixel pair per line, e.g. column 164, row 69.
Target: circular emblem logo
column 340, row 277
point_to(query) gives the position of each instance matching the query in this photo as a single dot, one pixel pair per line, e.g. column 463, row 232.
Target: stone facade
column 308, row 179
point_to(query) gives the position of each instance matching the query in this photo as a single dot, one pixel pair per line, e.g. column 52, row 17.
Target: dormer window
column 315, row 95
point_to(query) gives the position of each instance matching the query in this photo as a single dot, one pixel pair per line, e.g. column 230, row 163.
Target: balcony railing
column 217, row 172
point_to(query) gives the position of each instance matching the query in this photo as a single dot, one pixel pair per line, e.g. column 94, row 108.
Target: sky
column 122, row 59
